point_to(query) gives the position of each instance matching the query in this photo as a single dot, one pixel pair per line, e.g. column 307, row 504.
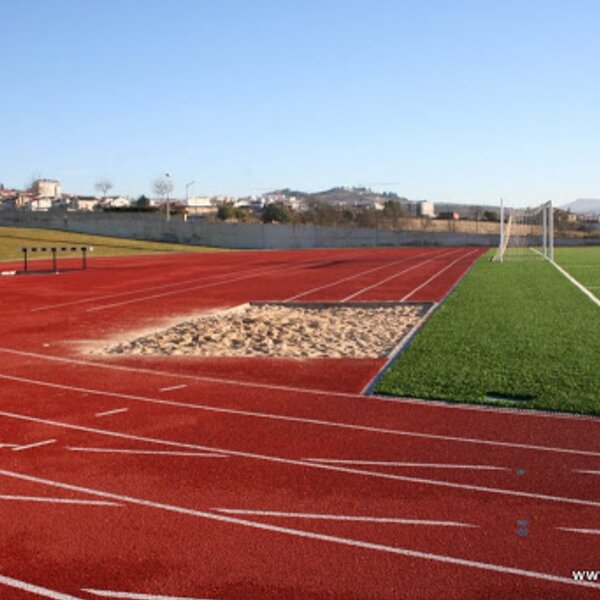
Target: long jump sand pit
column 323, row 330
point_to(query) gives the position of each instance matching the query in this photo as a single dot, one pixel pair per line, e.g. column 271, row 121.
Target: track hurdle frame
column 54, row 250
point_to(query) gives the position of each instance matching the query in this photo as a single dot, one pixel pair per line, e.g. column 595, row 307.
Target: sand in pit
column 285, row 331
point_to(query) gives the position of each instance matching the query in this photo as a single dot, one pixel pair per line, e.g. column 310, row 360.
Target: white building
column 83, row 203
column 115, row 202
column 39, row 204
column 46, row 188
column 425, row 208
column 200, row 205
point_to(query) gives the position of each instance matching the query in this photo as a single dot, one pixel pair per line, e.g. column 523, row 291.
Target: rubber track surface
column 268, row 478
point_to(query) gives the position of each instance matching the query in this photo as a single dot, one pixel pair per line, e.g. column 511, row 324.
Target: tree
column 162, row 187
column 276, row 212
column 143, row 202
column 225, row 212
column 392, row 212
column 104, row 186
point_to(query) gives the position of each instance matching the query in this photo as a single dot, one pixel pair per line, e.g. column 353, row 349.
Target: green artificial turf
column 511, row 330
column 12, row 239
column 583, row 264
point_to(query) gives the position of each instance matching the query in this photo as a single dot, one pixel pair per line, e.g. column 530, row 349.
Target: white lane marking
column 436, row 275
column 286, row 267
column 586, row 471
column 306, row 421
column 461, row 562
column 572, row 279
column 258, row 269
column 586, row 531
column 390, row 463
column 58, row 500
column 170, row 388
column 135, row 595
column 328, row 517
column 379, row 283
column 313, row 465
column 309, row 391
column 338, row 281
column 148, row 452
column 36, row 589
column 34, row 445
column 4, row 445
column 106, row 413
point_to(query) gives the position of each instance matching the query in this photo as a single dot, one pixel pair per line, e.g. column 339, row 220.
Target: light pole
column 168, row 176
column 187, row 189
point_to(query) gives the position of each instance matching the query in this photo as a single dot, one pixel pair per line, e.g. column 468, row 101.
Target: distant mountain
column 583, row 206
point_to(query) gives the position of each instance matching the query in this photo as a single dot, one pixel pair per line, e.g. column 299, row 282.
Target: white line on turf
column 301, row 420
column 327, row 517
column 171, row 388
column 497, row 411
column 572, row 279
column 380, row 283
column 360, row 274
column 395, row 550
column 313, row 465
column 391, row 463
column 436, row 275
column 135, row 595
column 35, row 589
column 146, row 452
column 58, row 500
column 577, row 284
column 34, row 445
column 115, row 411
column 586, row 531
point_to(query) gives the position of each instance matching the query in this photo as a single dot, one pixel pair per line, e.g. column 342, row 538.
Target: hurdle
column 55, row 250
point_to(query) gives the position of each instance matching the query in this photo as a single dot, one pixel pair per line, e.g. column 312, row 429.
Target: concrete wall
column 151, row 226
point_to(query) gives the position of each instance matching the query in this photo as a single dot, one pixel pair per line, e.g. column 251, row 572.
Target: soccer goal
column 526, row 233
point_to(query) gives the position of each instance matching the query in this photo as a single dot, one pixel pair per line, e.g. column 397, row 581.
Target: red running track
column 163, row 478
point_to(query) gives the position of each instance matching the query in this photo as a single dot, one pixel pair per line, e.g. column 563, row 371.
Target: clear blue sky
column 446, row 100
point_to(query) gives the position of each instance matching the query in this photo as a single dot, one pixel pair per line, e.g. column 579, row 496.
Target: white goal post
column 526, row 233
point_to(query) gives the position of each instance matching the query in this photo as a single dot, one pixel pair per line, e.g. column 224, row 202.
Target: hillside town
column 344, row 205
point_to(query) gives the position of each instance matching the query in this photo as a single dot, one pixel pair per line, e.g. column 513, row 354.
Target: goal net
column 526, row 233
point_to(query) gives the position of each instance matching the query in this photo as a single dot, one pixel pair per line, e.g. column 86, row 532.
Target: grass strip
column 512, row 334
column 12, row 239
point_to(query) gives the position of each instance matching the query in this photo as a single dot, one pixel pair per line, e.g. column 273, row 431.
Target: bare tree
column 162, row 187
column 104, row 186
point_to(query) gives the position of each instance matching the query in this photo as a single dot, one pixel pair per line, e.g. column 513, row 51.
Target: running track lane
column 306, row 556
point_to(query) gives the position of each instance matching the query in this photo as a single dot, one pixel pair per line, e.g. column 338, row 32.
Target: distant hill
column 354, row 196
column 583, row 206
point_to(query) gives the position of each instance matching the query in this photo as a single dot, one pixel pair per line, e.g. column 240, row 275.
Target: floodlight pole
column 187, row 189
column 168, row 212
